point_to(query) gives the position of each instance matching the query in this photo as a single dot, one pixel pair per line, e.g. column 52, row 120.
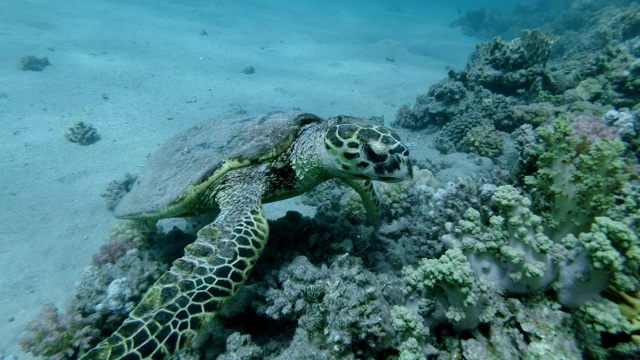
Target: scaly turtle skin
column 264, row 158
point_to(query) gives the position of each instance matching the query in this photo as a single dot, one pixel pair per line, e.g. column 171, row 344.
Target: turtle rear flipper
column 190, row 294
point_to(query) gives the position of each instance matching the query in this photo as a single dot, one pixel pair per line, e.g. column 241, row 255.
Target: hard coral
column 33, row 63
column 484, row 140
column 82, row 133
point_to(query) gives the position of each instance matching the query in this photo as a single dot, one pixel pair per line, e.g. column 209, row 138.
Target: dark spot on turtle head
column 256, row 244
column 353, row 145
column 345, row 167
column 399, row 149
column 183, row 265
column 186, row 285
column 374, row 156
column 363, row 164
column 388, row 140
column 368, row 134
column 333, row 139
column 350, row 156
column 199, row 250
column 386, row 168
column 346, row 131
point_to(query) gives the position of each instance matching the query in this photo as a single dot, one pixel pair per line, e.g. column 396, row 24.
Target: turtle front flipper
column 190, row 294
column 370, row 200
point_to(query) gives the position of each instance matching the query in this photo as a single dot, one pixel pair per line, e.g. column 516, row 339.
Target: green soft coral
column 410, row 350
column 407, row 323
column 576, row 179
column 614, row 247
column 595, row 318
column 452, row 282
column 512, row 247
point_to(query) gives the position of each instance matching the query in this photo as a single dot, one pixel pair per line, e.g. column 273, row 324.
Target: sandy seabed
column 140, row 73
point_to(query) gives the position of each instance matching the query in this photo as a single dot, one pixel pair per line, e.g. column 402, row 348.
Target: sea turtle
column 234, row 165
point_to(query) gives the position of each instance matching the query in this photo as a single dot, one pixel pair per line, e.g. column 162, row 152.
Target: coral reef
column 82, row 133
column 58, row 336
column 33, row 63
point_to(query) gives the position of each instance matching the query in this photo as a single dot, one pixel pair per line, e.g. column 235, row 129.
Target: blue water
column 141, row 71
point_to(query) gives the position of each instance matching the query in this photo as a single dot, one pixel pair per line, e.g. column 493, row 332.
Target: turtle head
column 367, row 152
